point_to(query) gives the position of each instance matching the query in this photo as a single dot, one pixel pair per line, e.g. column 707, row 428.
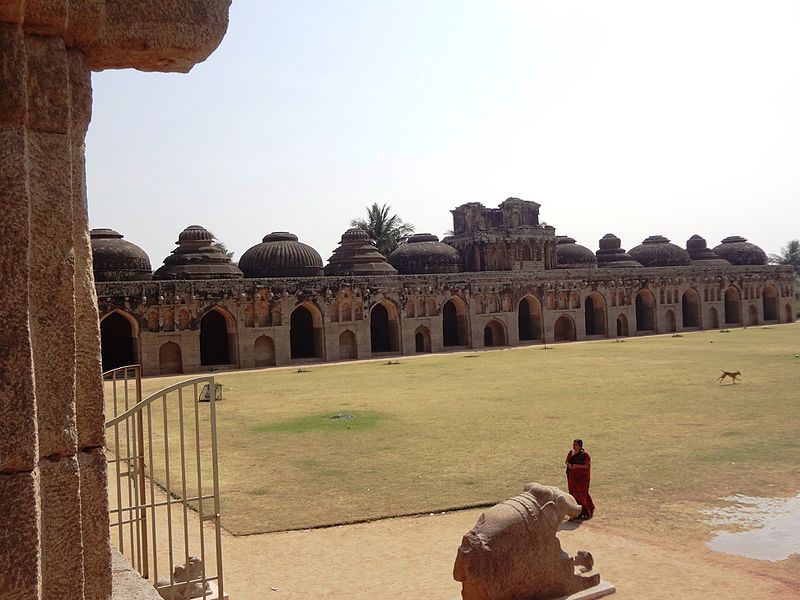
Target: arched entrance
column 669, row 321
column 116, row 342
column 170, row 359
column 494, row 334
column 690, row 309
column 769, row 298
column 733, row 308
column 529, row 317
column 622, row 326
column 645, row 311
column 594, row 312
column 383, row 329
column 564, row 329
column 454, row 323
column 752, row 315
column 714, row 318
column 305, row 334
column 264, row 350
column 348, row 346
column 214, row 345
column 422, row 339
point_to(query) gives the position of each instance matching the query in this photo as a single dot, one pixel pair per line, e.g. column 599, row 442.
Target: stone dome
column 357, row 255
column 612, row 255
column 570, row 255
column 197, row 258
column 701, row 254
column 114, row 259
column 280, row 255
column 738, row 251
column 657, row 251
column 424, row 253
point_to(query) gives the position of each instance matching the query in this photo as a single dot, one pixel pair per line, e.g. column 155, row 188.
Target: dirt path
column 412, row 558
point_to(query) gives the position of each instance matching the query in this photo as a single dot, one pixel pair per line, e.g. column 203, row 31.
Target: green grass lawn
column 446, row 431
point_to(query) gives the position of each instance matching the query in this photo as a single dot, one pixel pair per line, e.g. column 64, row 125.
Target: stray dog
column 734, row 375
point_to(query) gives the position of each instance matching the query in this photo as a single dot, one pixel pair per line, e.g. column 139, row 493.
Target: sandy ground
column 412, row 557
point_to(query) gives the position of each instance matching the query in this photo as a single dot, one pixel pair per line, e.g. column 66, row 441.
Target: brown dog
column 734, row 375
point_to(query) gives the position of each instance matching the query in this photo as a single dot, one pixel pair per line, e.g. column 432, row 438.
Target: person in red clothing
column 579, row 470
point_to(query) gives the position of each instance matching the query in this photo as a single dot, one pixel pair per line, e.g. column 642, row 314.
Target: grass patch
column 666, row 439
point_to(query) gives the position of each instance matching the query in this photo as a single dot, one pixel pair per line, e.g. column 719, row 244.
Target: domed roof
column 114, row 259
column 357, row 255
column 280, row 255
column 657, row 251
column 197, row 258
column 570, row 255
column 738, row 251
column 611, row 254
column 701, row 254
column 424, row 253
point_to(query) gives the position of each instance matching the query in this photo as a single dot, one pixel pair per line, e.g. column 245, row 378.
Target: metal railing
column 164, row 482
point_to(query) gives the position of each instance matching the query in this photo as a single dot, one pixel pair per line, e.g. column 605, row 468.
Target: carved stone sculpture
column 513, row 553
column 180, row 589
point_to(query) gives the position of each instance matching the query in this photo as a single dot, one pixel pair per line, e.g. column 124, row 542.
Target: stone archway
column 117, row 341
column 564, row 329
column 713, row 316
column 733, row 306
column 348, row 345
column 422, row 339
column 170, row 359
column 305, row 333
column 383, row 328
column 454, row 323
column 645, row 311
column 769, row 299
column 669, row 322
column 622, row 326
column 594, row 312
column 529, row 318
column 214, row 344
column 494, row 334
column 752, row 315
column 264, row 351
column 690, row 309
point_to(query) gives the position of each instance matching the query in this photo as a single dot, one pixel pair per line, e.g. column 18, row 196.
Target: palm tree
column 790, row 255
column 387, row 232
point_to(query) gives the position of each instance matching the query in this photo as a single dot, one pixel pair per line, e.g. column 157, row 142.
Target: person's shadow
column 570, row 525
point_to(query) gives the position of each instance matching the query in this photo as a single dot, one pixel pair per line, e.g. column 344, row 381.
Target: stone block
column 18, row 443
column 13, row 75
column 19, row 543
column 80, row 92
column 45, row 17
column 94, row 517
column 48, row 84
column 11, row 11
column 158, row 35
column 85, row 21
column 62, row 548
column 52, row 303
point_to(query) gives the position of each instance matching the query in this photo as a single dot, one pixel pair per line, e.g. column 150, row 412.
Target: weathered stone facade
column 184, row 326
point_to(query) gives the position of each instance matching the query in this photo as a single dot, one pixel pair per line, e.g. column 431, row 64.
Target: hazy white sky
column 626, row 117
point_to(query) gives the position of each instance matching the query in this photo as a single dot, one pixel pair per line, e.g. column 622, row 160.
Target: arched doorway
column 214, row 347
column 529, row 317
column 170, row 359
column 348, row 346
column 769, row 298
column 422, row 339
column 622, row 326
column 733, row 308
column 564, row 329
column 494, row 334
column 116, row 342
column 645, row 311
column 752, row 315
column 264, row 350
column 305, row 336
column 714, row 318
column 690, row 309
column 383, row 328
column 669, row 321
column 454, row 323
column 594, row 313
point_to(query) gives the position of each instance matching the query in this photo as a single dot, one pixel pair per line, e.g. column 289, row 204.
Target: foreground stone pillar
column 54, row 541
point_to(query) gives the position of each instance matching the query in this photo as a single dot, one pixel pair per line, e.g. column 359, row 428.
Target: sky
column 626, row 117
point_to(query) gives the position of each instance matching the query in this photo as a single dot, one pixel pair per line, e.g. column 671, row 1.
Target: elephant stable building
column 502, row 279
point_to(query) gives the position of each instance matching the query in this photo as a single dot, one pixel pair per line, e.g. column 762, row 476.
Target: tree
column 222, row 247
column 386, row 231
column 790, row 255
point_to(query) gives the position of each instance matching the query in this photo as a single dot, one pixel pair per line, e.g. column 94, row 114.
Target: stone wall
column 54, row 541
column 258, row 312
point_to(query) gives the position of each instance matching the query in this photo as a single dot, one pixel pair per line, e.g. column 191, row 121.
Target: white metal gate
column 164, row 482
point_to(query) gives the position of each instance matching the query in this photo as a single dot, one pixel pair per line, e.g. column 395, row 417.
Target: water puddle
column 762, row 528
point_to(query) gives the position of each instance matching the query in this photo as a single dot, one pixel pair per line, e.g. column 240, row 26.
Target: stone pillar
column 54, row 540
